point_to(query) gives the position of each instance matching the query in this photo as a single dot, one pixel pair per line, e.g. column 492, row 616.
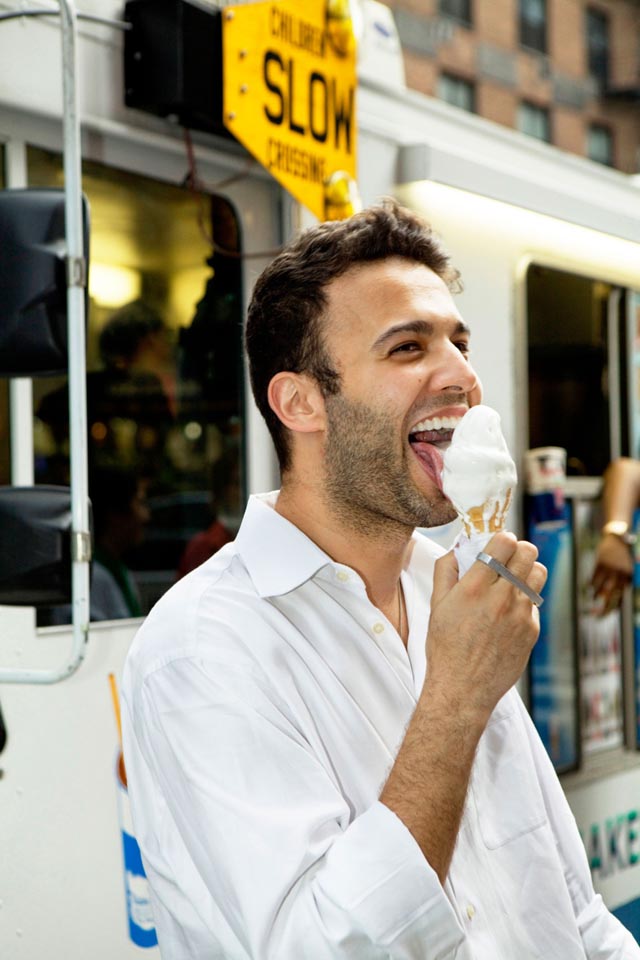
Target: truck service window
column 578, row 370
column 164, row 384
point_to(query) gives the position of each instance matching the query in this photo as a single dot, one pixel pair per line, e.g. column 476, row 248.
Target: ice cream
column 479, row 477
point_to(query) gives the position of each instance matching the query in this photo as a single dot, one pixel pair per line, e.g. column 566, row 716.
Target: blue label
column 636, row 620
column 629, row 915
column 553, row 660
column 141, row 924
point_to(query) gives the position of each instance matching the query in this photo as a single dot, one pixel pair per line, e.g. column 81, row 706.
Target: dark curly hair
column 284, row 329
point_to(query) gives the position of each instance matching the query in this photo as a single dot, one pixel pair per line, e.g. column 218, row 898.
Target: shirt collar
column 277, row 554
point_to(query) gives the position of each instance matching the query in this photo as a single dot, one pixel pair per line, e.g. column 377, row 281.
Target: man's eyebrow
column 423, row 327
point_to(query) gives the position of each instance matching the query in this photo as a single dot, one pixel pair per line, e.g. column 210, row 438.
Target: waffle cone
column 487, row 518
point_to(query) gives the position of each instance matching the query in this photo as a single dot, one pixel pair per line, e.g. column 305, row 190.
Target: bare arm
column 480, row 636
column 614, row 560
column 621, row 492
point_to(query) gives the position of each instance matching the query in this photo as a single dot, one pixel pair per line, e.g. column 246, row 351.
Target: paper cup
column 545, row 469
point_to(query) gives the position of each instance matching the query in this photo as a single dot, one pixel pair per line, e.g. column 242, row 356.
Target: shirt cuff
column 603, row 935
column 377, row 873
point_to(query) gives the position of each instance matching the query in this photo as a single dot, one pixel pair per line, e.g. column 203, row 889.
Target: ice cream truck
column 145, row 184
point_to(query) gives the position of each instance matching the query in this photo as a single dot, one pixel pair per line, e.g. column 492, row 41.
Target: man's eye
column 409, row 347
column 463, row 346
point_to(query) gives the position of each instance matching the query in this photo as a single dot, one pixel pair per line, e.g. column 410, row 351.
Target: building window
column 598, row 45
column 456, row 91
column 600, row 144
column 460, row 9
column 534, row 121
column 533, row 24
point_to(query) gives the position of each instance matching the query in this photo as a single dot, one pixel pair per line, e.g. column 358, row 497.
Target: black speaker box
column 173, row 62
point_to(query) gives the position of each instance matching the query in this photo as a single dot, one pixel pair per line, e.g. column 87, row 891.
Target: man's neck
column 377, row 551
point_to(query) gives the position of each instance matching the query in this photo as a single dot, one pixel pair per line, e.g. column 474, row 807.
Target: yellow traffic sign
column 290, row 96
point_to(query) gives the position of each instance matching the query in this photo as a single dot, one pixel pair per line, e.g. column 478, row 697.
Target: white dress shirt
column 264, row 701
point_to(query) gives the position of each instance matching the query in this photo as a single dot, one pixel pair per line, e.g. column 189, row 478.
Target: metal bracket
column 81, row 546
column 76, row 272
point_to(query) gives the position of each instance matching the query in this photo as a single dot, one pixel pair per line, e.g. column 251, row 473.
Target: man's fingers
column 538, row 577
column 518, row 555
column 445, row 577
column 502, row 547
column 520, row 561
column 523, row 559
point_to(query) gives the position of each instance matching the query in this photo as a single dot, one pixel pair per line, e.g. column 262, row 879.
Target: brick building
column 565, row 71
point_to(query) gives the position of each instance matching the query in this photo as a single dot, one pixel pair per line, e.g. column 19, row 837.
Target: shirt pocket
column 505, row 788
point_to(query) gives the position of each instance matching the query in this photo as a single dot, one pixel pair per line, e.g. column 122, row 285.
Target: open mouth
column 429, row 439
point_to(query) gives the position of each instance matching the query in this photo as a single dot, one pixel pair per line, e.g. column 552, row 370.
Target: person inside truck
column 120, row 518
column 613, row 567
column 130, row 400
column 225, row 495
column 327, row 755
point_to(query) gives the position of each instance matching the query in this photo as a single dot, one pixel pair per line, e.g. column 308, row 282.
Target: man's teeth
column 436, row 423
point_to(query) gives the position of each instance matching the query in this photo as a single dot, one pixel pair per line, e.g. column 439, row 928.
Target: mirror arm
column 76, row 283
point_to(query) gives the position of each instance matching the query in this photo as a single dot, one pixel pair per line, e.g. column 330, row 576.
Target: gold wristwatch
column 620, row 528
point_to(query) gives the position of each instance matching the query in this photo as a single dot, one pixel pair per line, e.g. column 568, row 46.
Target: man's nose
column 453, row 371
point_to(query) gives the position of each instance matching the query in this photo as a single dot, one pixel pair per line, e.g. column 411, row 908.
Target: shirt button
column 471, row 911
column 342, row 575
column 378, row 627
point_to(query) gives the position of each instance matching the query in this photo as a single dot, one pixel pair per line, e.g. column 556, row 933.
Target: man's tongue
column 430, row 457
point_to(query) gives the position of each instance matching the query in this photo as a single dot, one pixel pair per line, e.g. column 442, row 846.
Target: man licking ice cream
column 479, row 477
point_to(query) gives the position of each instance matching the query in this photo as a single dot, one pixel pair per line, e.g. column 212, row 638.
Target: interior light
column 111, row 285
column 98, row 431
column 186, row 287
column 193, row 430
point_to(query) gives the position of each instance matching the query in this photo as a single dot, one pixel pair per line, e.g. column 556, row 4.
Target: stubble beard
column 368, row 479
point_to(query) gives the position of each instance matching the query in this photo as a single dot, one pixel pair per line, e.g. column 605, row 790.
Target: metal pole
column 76, row 286
column 20, row 388
column 76, row 283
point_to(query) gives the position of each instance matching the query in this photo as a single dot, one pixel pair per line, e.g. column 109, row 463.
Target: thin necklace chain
column 400, row 605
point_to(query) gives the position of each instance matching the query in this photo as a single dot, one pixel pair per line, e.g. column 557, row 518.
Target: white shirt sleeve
column 603, row 936
column 263, row 820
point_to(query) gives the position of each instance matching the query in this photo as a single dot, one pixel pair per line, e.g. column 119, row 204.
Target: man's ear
column 297, row 401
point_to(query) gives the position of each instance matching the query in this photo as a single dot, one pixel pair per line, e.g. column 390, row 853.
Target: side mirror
column 33, row 308
column 35, row 545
